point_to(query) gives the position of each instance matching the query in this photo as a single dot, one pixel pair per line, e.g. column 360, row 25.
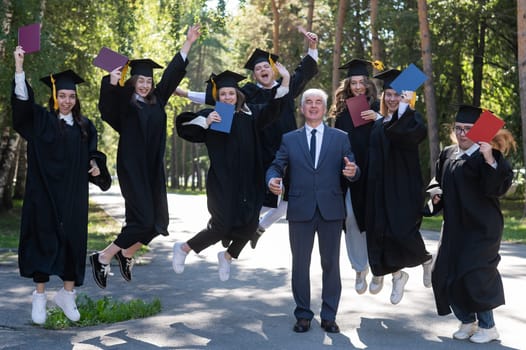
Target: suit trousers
column 301, row 235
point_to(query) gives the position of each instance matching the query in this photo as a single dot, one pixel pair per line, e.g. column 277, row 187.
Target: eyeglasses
column 459, row 130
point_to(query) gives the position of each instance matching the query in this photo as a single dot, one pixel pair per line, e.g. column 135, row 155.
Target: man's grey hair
column 314, row 92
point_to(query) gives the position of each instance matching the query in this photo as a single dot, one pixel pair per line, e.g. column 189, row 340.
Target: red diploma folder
column 356, row 105
column 485, row 128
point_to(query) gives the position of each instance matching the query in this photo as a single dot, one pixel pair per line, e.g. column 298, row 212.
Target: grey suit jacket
column 313, row 187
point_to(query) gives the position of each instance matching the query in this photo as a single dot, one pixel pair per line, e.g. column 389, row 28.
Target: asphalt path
column 253, row 310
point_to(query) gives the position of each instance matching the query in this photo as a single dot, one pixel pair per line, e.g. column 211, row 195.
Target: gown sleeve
column 172, row 76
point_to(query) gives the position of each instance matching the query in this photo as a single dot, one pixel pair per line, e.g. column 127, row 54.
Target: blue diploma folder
column 410, row 79
column 226, row 111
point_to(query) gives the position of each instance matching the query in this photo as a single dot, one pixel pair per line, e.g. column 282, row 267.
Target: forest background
column 472, row 51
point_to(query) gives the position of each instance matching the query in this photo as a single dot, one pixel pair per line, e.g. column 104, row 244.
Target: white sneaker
column 377, row 283
column 66, row 301
column 398, row 287
column 428, row 267
column 484, row 335
column 179, row 256
column 360, row 283
column 38, row 310
column 224, row 266
column 465, row 330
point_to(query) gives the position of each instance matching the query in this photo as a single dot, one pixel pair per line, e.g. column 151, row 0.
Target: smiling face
column 264, row 74
column 143, row 85
column 392, row 100
column 66, row 101
column 228, row 95
column 358, row 85
column 313, row 108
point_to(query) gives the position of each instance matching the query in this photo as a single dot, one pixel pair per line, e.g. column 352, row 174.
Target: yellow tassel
column 214, row 89
column 378, row 65
column 54, row 91
column 273, row 65
column 123, row 73
column 413, row 101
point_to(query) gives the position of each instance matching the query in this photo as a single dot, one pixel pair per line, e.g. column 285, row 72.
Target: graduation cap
column 224, row 79
column 259, row 56
column 468, row 114
column 66, row 80
column 143, row 66
column 387, row 77
column 357, row 66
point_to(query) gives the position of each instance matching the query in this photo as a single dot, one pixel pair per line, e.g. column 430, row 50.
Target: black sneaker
column 100, row 270
column 125, row 265
column 255, row 237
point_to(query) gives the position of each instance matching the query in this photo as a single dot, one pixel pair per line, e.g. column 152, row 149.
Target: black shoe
column 255, row 237
column 100, row 270
column 302, row 325
column 225, row 242
column 330, row 326
column 125, row 265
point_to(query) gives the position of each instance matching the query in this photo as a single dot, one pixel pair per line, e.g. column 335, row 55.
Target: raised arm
column 176, row 70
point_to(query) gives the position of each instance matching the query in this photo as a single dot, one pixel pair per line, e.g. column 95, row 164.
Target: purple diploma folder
column 108, row 59
column 29, row 37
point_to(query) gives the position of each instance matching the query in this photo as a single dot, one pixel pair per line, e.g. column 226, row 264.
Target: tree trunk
column 429, row 92
column 310, row 16
column 276, row 5
column 521, row 39
column 183, row 173
column 8, row 148
column 377, row 50
column 173, row 160
column 6, row 26
column 21, row 170
column 195, row 167
column 478, row 60
column 337, row 51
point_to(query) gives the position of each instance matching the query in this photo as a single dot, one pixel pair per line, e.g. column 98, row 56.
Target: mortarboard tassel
column 123, row 73
column 413, row 101
column 378, row 65
column 272, row 64
column 54, row 92
column 214, row 89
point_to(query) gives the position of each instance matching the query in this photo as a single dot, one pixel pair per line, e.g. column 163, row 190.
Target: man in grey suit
column 316, row 157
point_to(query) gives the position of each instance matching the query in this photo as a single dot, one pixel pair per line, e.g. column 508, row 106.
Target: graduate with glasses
column 470, row 178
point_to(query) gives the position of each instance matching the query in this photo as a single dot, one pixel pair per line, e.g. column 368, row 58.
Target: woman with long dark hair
column 62, row 156
column 136, row 112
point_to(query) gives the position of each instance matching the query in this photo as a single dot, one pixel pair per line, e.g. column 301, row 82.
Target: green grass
column 102, row 311
column 10, row 226
column 514, row 225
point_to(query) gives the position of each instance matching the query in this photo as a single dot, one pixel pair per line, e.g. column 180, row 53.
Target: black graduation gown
column 465, row 272
column 235, row 184
column 395, row 194
column 271, row 134
column 140, row 155
column 359, row 138
column 54, row 224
